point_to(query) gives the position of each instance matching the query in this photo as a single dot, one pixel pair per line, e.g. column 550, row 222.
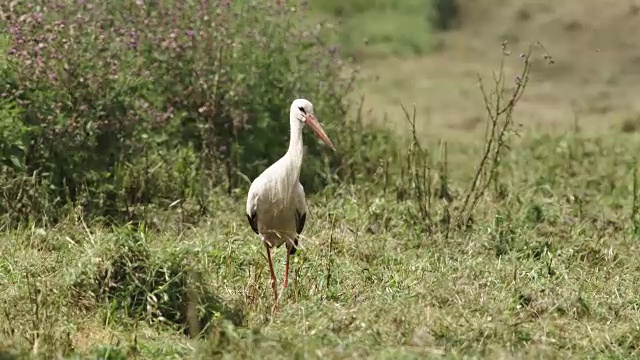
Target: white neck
column 296, row 150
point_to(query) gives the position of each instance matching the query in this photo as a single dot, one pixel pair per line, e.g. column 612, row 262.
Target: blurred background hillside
column 594, row 43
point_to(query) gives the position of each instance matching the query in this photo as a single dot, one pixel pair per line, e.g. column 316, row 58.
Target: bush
column 121, row 270
column 134, row 278
column 112, row 106
column 444, row 14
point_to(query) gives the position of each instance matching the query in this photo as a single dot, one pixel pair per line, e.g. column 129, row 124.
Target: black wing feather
column 300, row 220
column 253, row 221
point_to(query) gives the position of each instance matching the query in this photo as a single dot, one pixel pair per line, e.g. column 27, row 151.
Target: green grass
column 380, row 28
column 544, row 268
column 547, row 270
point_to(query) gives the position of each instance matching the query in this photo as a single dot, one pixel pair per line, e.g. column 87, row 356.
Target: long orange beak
column 317, row 128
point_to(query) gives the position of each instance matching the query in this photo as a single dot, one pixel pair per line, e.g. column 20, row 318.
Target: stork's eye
column 302, row 109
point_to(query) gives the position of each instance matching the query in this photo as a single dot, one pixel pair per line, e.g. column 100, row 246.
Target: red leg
column 273, row 275
column 286, row 272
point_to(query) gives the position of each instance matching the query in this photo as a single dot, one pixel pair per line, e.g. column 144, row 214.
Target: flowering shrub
column 109, row 105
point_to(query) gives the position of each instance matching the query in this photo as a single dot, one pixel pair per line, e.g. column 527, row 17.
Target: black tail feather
column 293, row 249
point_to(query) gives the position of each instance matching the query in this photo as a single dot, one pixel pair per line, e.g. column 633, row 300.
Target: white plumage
column 276, row 204
column 278, row 209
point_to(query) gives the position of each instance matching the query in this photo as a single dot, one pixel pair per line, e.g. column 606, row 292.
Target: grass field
column 378, row 29
column 394, row 265
column 547, row 270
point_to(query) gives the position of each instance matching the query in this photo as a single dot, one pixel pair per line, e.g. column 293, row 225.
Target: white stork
column 276, row 205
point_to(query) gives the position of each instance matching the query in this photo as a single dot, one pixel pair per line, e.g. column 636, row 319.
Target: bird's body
column 280, row 207
column 276, row 204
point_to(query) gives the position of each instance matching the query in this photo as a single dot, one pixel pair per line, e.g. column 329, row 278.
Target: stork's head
column 302, row 112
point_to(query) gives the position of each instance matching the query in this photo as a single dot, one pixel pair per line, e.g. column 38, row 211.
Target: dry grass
column 547, row 271
column 543, row 265
column 593, row 78
column 545, row 268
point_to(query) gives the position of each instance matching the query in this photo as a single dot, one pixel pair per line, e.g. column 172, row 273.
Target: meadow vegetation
column 384, row 28
column 130, row 135
column 380, row 28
